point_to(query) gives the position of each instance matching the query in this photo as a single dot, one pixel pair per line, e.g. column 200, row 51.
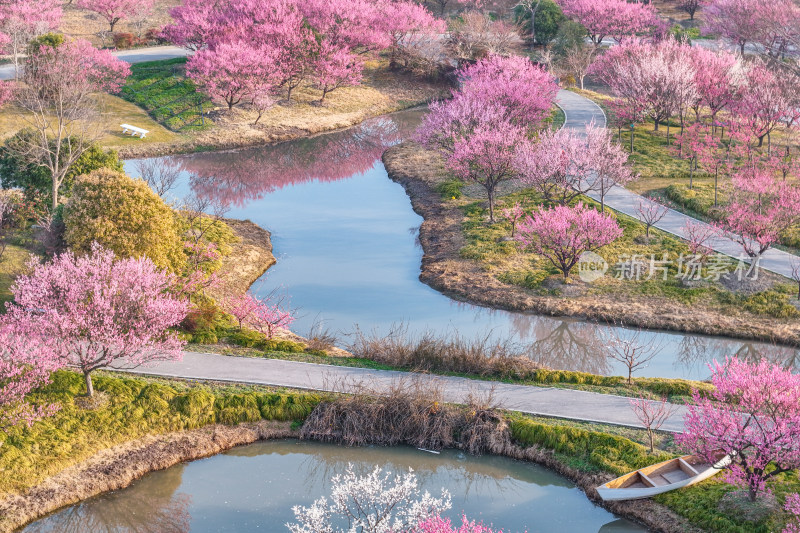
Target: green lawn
column 11, row 264
column 486, row 244
column 164, row 91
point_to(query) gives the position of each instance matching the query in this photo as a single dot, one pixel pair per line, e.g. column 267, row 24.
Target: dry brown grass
column 114, row 111
column 406, row 411
column 453, row 353
column 250, row 258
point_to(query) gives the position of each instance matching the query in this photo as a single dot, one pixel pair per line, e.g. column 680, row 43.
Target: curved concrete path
column 580, row 111
column 138, row 55
column 546, row 401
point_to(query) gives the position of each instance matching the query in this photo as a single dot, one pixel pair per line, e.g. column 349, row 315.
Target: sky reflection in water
column 253, row 488
column 346, row 241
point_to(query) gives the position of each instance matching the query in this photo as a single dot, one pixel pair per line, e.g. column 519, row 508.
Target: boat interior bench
column 134, row 131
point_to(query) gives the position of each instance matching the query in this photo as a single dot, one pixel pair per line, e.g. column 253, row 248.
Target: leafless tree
column 532, row 7
column 474, row 35
column 629, row 349
column 650, row 213
column 577, row 61
column 63, row 113
column 689, row 6
column 796, row 274
column 652, row 414
column 160, row 174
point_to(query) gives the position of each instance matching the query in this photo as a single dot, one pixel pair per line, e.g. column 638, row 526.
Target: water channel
column 254, row 487
column 345, row 236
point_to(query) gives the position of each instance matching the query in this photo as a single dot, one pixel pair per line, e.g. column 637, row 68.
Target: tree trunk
column 691, row 174
column 633, row 133
column 490, row 194
column 87, row 377
column 716, row 177
column 651, row 437
column 55, row 193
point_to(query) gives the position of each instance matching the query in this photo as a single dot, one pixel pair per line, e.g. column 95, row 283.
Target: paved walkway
column 580, row 111
column 137, row 55
column 561, row 403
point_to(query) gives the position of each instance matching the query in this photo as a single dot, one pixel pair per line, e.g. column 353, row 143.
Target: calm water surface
column 346, row 240
column 253, row 488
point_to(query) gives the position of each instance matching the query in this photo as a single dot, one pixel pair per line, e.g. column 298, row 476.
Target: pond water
column 345, row 237
column 254, row 487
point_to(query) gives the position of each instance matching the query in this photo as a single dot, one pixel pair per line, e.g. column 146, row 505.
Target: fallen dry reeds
column 430, row 352
column 406, row 411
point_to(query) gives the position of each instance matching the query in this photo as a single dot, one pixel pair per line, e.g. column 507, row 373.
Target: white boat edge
column 609, row 494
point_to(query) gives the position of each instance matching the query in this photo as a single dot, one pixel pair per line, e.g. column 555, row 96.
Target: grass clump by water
column 134, row 407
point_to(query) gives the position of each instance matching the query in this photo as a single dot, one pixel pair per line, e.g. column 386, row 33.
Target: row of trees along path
column 581, row 111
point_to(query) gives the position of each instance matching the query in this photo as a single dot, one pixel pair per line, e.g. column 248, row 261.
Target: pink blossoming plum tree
column 22, row 20
column 114, row 11
column 761, row 209
column 752, row 414
column 26, row 362
column 97, row 310
column 608, row 162
column 513, row 214
column 610, row 18
column 234, row 71
column 437, row 524
column 562, row 234
column 524, row 90
column 488, row 157
column 558, row 166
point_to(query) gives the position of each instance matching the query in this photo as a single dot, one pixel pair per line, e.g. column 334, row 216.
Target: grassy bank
column 129, row 409
column 144, row 424
column 162, row 89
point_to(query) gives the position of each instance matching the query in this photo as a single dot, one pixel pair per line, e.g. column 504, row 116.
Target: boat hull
column 660, row 478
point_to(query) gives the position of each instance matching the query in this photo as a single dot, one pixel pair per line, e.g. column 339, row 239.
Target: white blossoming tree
column 374, row 503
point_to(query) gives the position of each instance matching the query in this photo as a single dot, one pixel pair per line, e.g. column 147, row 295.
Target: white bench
column 133, row 130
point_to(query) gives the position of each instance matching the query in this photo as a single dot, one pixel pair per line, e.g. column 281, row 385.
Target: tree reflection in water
column 151, row 505
column 704, row 350
column 562, row 344
column 239, row 177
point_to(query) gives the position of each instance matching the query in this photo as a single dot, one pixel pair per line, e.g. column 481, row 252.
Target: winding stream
column 345, row 237
column 254, row 487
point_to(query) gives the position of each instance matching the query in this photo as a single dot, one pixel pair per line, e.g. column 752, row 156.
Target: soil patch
column 250, row 258
column 442, row 238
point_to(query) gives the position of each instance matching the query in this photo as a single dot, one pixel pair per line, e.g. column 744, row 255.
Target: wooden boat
column 661, row 477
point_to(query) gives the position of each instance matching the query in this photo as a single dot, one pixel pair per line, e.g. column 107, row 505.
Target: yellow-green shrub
column 124, row 215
